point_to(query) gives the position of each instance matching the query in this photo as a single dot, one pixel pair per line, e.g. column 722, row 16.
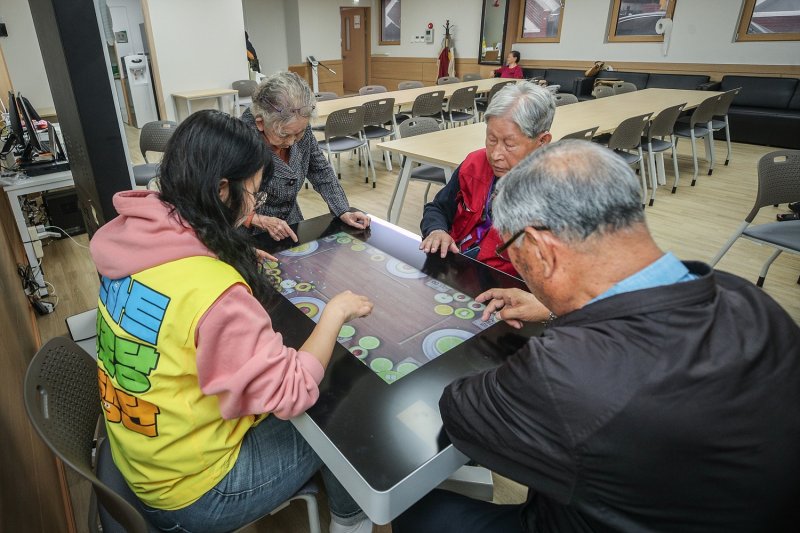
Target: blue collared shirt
column 667, row 270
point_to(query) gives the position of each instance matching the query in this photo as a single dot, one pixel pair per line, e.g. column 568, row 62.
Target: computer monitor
column 30, row 124
column 17, row 135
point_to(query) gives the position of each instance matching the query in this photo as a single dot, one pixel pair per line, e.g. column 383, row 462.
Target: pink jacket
column 257, row 374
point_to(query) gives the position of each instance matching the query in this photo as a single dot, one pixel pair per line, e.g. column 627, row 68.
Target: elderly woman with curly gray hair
column 281, row 109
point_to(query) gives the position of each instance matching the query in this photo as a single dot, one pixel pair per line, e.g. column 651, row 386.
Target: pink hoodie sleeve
column 243, row 361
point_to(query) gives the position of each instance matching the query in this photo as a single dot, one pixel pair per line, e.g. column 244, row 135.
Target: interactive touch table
column 377, row 424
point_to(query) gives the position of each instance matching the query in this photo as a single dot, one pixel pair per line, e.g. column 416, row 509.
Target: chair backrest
column 447, row 79
column 63, row 403
column 565, row 98
column 371, row 89
column 418, row 126
column 496, row 88
column 585, row 135
column 463, row 98
column 325, row 95
column 778, row 180
column 663, row 124
column 602, row 91
column 704, row 112
column 624, row 87
column 246, row 88
column 345, row 122
column 409, row 85
column 154, row 136
column 471, row 76
column 378, row 112
column 428, row 104
column 725, row 101
column 629, row 132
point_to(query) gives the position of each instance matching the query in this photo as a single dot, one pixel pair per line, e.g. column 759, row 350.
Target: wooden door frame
column 367, row 41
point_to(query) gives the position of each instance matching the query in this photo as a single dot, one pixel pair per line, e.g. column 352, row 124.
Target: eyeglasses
column 304, row 111
column 500, row 250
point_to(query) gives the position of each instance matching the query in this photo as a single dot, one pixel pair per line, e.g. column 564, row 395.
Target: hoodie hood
column 144, row 235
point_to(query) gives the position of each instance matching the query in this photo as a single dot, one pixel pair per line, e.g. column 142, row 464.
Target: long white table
column 448, row 148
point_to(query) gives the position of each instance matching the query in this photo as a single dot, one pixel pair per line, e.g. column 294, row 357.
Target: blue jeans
column 443, row 511
column 273, row 463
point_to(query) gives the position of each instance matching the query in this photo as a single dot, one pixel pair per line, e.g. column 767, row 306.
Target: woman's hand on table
column 356, row 219
column 514, row 306
column 278, row 229
column 348, row 305
column 438, row 240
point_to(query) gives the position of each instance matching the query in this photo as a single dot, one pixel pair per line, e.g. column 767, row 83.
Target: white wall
column 703, row 32
column 265, row 23
column 320, row 27
column 414, row 18
column 291, row 16
column 23, row 55
column 126, row 15
column 199, row 44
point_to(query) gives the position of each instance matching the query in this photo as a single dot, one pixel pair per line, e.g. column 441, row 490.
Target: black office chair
column 62, row 399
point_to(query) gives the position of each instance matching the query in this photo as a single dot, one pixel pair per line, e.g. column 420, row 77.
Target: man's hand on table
column 356, row 219
column 438, row 240
column 514, row 306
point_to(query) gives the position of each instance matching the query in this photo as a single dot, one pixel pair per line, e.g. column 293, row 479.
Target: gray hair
column 530, row 106
column 283, row 90
column 574, row 188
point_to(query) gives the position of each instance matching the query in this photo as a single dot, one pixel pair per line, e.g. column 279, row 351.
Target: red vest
column 475, row 179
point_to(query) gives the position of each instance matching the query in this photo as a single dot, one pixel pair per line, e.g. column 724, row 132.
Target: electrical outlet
column 37, row 249
column 34, row 234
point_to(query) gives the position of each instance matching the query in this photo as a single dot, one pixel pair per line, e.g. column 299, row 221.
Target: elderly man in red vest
column 459, row 219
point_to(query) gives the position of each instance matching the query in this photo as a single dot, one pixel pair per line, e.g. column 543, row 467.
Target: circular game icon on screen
column 347, row 332
column 359, row 352
column 390, row 376
column 402, row 270
column 330, row 238
column 442, row 297
column 476, row 306
column 381, row 364
column 406, row 368
column 377, row 257
column 301, row 250
column 465, row 314
column 460, row 297
column 358, row 247
column 438, row 342
column 311, row 307
column 288, row 283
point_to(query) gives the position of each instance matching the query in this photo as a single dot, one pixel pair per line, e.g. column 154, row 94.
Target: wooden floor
column 694, row 224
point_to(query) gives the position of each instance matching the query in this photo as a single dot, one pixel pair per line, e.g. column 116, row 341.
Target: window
column 390, row 22
column 540, row 21
column 769, row 20
column 635, row 20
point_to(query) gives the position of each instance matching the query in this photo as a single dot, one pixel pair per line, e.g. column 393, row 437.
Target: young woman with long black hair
column 196, row 384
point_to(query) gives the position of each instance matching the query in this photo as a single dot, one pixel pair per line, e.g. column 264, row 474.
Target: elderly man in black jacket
column 663, row 396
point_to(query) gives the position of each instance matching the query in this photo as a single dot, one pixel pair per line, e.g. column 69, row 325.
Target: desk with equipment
column 377, row 424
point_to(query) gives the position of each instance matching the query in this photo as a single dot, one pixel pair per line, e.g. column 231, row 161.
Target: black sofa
column 766, row 111
column 644, row 80
column 570, row 81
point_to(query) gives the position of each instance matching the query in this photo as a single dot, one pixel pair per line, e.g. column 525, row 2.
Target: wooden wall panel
column 327, row 81
column 33, row 493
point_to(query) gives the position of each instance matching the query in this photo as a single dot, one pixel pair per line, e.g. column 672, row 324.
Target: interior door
column 354, row 48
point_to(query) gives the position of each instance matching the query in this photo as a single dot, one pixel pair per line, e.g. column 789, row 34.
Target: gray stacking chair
column 461, row 106
column 626, row 138
column 409, row 85
column 583, row 135
column 152, row 138
column 778, row 182
column 624, row 87
column 344, row 131
column 602, row 91
column 247, row 89
column 444, row 80
column 425, row 105
column 427, row 173
column 565, row 99
column 720, row 119
column 699, row 127
column 63, row 404
column 371, row 89
column 471, row 76
column 379, row 123
column 655, row 142
column 483, row 102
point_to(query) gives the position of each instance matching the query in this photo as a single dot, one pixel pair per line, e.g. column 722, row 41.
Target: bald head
column 577, row 189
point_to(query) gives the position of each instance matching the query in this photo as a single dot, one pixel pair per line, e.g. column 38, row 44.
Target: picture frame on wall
column 390, row 22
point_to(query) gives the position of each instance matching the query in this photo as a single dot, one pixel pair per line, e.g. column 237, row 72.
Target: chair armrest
column 582, row 86
column 709, row 86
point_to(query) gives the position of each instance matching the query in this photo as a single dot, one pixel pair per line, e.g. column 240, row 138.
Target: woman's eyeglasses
column 501, row 249
column 304, row 111
column 259, row 198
